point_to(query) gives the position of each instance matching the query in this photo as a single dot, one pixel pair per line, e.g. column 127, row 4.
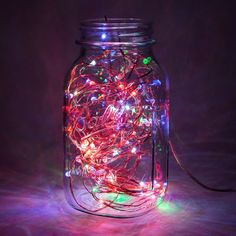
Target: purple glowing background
column 196, row 43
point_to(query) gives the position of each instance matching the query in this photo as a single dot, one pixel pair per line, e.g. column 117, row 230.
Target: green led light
column 120, row 198
column 101, row 78
column 125, row 51
column 145, row 61
column 95, row 189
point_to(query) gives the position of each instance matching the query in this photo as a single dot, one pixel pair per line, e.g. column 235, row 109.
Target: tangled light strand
column 109, row 107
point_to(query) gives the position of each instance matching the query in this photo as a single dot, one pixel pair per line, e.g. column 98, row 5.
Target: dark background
column 196, row 42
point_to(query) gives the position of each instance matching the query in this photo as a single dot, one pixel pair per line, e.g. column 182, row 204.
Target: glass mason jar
column 116, row 121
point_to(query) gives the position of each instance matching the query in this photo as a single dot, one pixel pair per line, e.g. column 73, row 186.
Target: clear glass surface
column 116, row 122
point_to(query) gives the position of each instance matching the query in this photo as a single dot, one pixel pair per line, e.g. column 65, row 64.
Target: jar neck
column 96, row 51
column 116, row 33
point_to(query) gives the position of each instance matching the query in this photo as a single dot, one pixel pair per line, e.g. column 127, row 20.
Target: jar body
column 116, row 129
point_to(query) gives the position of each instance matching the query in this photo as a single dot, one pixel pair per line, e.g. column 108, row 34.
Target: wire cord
column 196, row 180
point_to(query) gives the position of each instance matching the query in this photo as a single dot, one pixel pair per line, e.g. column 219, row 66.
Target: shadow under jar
column 116, row 121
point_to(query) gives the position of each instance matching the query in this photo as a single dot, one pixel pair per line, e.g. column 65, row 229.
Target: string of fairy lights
column 109, row 107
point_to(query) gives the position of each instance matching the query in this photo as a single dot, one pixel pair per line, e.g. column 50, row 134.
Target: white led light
column 67, row 174
column 127, row 107
column 115, row 153
column 133, row 150
column 111, row 178
column 93, row 63
column 93, row 98
column 141, row 183
column 103, row 36
column 84, row 144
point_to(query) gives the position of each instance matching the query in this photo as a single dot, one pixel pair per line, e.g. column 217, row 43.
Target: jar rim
column 115, row 23
column 138, row 30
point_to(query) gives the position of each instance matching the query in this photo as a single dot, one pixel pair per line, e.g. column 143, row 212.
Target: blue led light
column 156, row 82
column 103, row 36
column 93, row 98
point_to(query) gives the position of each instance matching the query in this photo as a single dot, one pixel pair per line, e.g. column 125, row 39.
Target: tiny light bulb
column 93, row 98
column 121, row 86
column 95, row 189
column 110, row 178
column 115, row 153
column 91, row 83
column 156, row 82
column 127, row 107
column 103, row 36
column 84, row 144
column 133, row 150
column 86, row 167
column 93, row 63
column 141, row 183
